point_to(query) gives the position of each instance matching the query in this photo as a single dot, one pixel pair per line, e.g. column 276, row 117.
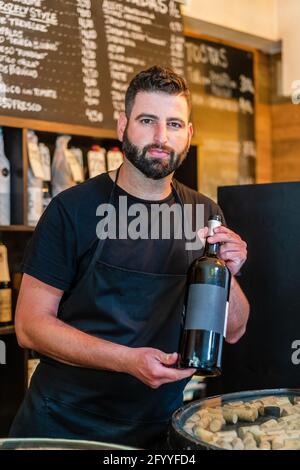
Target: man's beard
column 154, row 168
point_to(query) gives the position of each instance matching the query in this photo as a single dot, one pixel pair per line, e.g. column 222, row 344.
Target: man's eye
column 175, row 124
column 146, row 121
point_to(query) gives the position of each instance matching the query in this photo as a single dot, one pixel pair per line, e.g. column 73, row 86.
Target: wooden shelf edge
column 7, row 330
column 16, row 228
column 58, row 127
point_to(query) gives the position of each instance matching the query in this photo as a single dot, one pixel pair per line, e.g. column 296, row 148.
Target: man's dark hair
column 156, row 79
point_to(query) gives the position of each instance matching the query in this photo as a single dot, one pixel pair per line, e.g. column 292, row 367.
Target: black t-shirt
column 65, row 237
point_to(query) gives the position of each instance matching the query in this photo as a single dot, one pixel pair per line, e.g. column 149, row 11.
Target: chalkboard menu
column 71, row 60
column 222, row 85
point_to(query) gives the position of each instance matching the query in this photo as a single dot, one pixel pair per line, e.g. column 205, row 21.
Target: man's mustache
column 163, row 148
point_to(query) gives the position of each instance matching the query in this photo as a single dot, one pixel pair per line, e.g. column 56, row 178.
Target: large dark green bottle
column 205, row 310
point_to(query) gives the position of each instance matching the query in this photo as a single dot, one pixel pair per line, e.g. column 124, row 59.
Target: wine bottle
column 5, row 288
column 4, row 184
column 96, row 161
column 114, row 158
column 205, row 310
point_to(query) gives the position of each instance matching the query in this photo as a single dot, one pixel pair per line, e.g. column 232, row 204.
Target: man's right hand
column 38, row 328
column 152, row 366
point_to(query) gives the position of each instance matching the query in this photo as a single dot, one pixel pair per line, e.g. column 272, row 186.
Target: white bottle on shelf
column 96, row 161
column 75, row 160
column 35, row 180
column 62, row 177
column 4, row 184
column 35, row 198
column 46, row 164
column 114, row 158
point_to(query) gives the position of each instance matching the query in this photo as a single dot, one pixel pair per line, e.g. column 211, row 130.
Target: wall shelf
column 7, row 330
column 16, row 228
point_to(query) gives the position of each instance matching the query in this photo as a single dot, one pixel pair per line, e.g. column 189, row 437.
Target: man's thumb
column 202, row 234
column 169, row 359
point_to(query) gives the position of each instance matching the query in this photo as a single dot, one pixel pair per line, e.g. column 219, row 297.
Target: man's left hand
column 233, row 249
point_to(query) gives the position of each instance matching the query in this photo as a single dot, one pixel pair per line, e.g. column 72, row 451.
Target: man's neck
column 135, row 183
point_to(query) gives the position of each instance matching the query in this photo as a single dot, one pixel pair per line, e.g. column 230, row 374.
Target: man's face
column 156, row 138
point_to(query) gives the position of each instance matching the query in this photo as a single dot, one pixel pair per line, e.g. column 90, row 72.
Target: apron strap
column 99, row 241
column 185, row 221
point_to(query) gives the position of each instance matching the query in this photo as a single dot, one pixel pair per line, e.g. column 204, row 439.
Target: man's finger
column 229, row 247
column 184, row 373
column 224, row 237
column 168, row 359
column 177, row 374
column 232, row 256
column 202, row 234
column 222, row 229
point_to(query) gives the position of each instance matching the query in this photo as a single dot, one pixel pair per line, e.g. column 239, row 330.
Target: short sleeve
column 215, row 209
column 220, row 212
column 51, row 253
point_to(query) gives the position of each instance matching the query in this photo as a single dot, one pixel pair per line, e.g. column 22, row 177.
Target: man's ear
column 191, row 130
column 121, row 126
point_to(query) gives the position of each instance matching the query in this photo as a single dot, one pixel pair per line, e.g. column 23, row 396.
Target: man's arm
column 233, row 251
column 38, row 328
column 238, row 313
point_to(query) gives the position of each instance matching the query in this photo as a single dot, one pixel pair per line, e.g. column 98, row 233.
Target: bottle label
column 114, row 159
column 5, row 306
column 35, row 160
column 206, row 308
column 212, row 224
column 4, row 270
column 35, row 204
column 46, row 161
column 75, row 165
column 226, row 319
column 96, row 162
column 4, row 185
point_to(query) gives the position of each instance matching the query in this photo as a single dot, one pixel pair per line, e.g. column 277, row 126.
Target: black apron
column 132, row 308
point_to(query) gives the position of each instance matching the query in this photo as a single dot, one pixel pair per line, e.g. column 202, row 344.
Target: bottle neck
column 211, row 249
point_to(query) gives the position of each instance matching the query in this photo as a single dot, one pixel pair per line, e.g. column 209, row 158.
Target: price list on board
column 71, row 60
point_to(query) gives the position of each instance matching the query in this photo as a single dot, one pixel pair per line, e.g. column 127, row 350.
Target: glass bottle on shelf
column 114, row 158
column 4, row 184
column 96, row 160
column 5, row 288
column 46, row 164
column 35, row 180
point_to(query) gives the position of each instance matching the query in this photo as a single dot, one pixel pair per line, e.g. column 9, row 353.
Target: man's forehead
column 148, row 101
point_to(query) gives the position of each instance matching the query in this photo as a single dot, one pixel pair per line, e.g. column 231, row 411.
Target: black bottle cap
column 216, row 217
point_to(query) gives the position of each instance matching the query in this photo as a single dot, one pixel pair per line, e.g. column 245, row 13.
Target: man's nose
column 160, row 134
